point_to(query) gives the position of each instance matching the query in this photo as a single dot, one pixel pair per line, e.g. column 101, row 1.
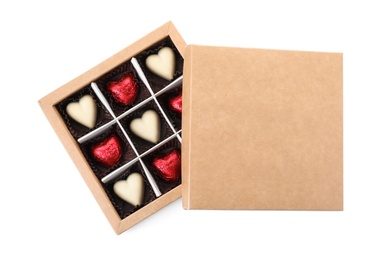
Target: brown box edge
column 186, row 128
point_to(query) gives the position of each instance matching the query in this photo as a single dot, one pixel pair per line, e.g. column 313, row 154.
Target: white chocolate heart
column 162, row 63
column 147, row 127
column 83, row 111
column 131, row 190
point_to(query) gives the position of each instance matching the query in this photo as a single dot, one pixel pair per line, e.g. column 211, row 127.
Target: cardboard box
column 262, row 129
column 113, row 119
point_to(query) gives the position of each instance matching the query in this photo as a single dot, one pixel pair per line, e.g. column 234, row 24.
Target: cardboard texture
column 49, row 102
column 262, row 129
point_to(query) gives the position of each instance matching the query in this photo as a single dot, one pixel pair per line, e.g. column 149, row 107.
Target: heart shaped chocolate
column 131, row 190
column 175, row 104
column 108, row 152
column 162, row 64
column 124, row 91
column 169, row 166
column 147, row 127
column 84, row 111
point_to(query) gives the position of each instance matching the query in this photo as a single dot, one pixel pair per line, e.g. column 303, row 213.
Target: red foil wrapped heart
column 108, row 152
column 125, row 90
column 175, row 104
column 169, row 166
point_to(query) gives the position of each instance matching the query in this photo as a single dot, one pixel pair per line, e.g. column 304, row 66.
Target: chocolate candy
column 83, row 111
column 108, row 152
column 147, row 127
column 162, row 64
column 125, row 90
column 175, row 104
column 169, row 166
column 131, row 190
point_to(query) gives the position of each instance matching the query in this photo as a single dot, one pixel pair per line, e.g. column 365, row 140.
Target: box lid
column 262, row 129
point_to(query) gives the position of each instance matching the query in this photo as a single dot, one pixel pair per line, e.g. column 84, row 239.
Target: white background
column 47, row 211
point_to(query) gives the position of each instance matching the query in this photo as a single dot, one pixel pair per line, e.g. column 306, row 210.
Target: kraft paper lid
column 262, row 129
